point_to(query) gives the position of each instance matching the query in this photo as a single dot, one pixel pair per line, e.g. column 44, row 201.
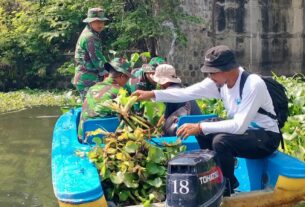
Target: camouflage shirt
column 89, row 59
column 96, row 95
column 140, row 82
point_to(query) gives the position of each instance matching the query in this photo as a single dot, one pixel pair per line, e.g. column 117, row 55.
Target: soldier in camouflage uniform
column 89, row 58
column 92, row 107
column 142, row 80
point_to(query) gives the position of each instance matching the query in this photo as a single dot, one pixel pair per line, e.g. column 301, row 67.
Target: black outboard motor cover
column 194, row 179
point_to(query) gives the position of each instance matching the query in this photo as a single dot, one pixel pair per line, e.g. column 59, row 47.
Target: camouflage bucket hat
column 156, row 61
column 95, row 14
column 120, row 65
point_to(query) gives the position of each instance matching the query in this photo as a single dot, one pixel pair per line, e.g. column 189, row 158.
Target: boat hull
column 101, row 202
column 76, row 181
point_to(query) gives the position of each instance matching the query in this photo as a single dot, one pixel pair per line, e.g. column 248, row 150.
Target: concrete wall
column 267, row 35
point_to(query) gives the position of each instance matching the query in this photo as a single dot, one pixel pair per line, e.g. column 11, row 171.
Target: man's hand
column 143, row 95
column 188, row 129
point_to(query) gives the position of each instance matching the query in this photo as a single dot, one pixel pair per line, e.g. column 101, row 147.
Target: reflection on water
column 25, row 158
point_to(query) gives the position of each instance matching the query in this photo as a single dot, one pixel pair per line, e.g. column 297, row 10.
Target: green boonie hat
column 95, row 14
column 156, row 61
column 120, row 65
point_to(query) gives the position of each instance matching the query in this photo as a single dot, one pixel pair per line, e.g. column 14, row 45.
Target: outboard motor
column 194, row 179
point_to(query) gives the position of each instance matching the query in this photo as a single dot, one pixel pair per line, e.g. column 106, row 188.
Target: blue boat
column 271, row 181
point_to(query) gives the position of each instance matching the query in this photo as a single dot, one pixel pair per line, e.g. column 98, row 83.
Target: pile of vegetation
column 132, row 166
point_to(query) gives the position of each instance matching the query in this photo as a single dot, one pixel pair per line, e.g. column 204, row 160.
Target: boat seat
column 109, row 124
column 190, row 142
column 194, row 118
column 249, row 173
column 280, row 163
column 257, row 174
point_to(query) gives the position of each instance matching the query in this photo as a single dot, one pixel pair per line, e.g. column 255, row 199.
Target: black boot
column 229, row 190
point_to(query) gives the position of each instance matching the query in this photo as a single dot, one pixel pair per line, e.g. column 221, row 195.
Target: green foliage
column 67, row 69
column 14, row 101
column 132, row 168
column 137, row 60
column 295, row 92
column 138, row 23
column 293, row 130
column 153, row 111
column 294, row 135
column 212, row 106
column 37, row 37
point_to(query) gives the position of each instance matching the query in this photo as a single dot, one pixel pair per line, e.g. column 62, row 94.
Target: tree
column 39, row 36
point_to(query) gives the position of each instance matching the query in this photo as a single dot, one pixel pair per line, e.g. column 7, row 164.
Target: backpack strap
column 282, row 141
column 263, row 111
column 243, row 78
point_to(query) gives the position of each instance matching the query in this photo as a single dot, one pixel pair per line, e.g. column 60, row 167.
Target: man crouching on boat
column 119, row 73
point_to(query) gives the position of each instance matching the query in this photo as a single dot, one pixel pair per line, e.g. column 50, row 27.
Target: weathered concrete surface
column 267, row 35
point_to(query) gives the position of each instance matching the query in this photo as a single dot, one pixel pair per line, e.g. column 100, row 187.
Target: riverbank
column 19, row 100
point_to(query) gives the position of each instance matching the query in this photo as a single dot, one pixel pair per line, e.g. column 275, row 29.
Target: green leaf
column 302, row 149
column 146, row 186
column 146, row 54
column 111, row 151
column 151, row 196
column 130, row 180
column 290, row 136
column 131, row 147
column 112, row 52
column 123, row 195
column 105, row 173
column 147, row 203
column 137, row 194
column 152, row 168
column 117, row 178
column 97, row 141
column 109, row 192
column 120, row 156
column 157, row 182
column 134, row 57
column 155, row 154
column 162, row 171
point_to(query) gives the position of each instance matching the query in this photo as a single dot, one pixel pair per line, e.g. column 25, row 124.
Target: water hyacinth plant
column 132, row 167
column 293, row 130
column 27, row 98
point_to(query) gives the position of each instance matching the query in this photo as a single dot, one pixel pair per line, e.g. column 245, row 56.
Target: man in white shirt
column 246, row 133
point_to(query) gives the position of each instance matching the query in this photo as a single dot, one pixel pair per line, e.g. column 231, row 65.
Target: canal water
column 25, row 157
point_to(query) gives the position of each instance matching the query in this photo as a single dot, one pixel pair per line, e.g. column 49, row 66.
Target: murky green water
column 25, row 158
